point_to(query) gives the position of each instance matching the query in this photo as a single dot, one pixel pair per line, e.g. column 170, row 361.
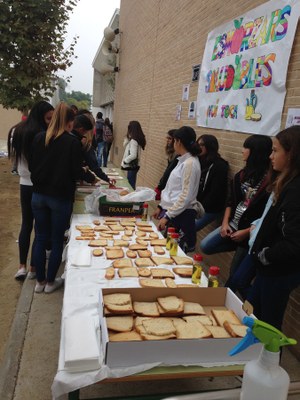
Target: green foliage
column 79, row 99
column 32, row 49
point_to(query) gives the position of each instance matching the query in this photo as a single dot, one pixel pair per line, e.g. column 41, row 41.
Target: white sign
column 244, row 67
column 293, row 117
column 185, row 92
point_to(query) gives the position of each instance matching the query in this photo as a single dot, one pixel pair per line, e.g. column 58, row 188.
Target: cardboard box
column 115, row 209
column 177, row 351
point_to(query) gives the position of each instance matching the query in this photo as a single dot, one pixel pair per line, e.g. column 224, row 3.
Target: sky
column 87, row 21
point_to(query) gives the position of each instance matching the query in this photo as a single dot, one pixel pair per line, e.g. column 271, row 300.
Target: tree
column 79, row 99
column 32, row 49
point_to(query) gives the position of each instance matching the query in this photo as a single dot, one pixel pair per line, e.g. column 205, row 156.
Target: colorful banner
column 244, row 68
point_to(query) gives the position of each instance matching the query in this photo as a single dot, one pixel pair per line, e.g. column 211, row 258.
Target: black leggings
column 27, row 223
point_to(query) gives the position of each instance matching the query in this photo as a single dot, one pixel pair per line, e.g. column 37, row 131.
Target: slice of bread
column 225, row 315
column 141, row 234
column 144, row 253
column 218, row 332
column 128, row 273
column 117, row 228
column 158, row 242
column 104, row 235
column 144, row 262
column 144, row 282
column 120, row 324
column 83, row 227
column 131, row 254
column 170, row 283
column 122, row 263
column 155, row 337
column 125, row 337
column 110, row 273
column 159, row 326
column 153, row 235
column 161, row 273
column 192, row 330
column 191, row 308
column 183, row 272
column 98, row 243
column 113, row 248
column 203, row 319
column 117, row 298
column 146, row 309
column 97, row 252
column 159, row 250
column 137, row 246
column 162, row 260
column 113, row 254
column 235, row 330
column 124, row 222
column 143, row 223
column 96, row 222
column 145, row 228
column 128, row 232
column 125, row 237
column 171, row 304
column 142, row 242
column 120, row 242
column 144, row 272
column 180, row 260
column 119, row 309
column 101, row 228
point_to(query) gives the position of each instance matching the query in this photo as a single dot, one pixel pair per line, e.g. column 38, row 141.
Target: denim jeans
column 269, row 296
column 186, row 223
column 100, row 151
column 51, row 218
column 106, row 153
column 242, row 277
column 206, row 219
column 214, row 243
column 131, row 176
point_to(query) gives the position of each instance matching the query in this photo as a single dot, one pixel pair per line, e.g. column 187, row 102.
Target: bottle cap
column 214, row 271
column 175, row 235
column 198, row 257
column 145, row 205
column 171, row 229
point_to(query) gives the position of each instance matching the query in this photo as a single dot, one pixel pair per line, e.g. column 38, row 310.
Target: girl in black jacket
column 212, row 191
column 276, row 249
column 246, row 202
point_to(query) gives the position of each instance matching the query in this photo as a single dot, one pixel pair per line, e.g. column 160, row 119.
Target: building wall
column 8, row 118
column 160, row 41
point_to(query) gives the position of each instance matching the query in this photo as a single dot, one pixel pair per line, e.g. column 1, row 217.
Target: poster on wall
column 244, row 68
column 293, row 117
column 192, row 110
column 185, row 92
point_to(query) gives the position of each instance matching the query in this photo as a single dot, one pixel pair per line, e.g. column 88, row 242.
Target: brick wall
column 160, row 42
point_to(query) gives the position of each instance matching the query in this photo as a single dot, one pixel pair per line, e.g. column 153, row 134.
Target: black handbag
column 132, row 166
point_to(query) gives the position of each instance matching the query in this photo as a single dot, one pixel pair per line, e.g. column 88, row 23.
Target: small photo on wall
column 192, row 110
column 178, row 112
column 185, row 92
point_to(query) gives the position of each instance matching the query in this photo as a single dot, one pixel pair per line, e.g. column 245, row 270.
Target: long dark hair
column 289, row 139
column 258, row 162
column 135, row 132
column 26, row 130
column 187, row 137
column 212, row 147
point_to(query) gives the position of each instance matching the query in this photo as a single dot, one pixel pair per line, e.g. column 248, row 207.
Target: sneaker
column 48, row 252
column 39, row 287
column 14, row 172
column 31, row 275
column 21, row 274
column 55, row 285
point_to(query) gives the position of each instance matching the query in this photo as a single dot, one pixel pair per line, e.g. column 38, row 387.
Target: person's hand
column 157, row 212
column 240, row 236
column 226, row 230
column 112, row 182
column 251, row 228
column 162, row 224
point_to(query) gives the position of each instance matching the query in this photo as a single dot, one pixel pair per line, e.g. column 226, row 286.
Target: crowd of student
column 259, row 209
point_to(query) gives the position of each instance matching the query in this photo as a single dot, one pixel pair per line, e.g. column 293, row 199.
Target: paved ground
column 30, row 327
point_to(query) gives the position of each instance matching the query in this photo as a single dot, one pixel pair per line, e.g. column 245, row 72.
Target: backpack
column 108, row 136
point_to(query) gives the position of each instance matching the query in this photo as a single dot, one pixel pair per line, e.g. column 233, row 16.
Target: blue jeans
column 27, row 224
column 186, row 222
column 100, row 150
column 131, row 176
column 106, row 153
column 242, row 277
column 51, row 218
column 206, row 219
column 269, row 296
column 214, row 243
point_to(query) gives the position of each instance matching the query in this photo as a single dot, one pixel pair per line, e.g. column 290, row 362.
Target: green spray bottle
column 264, row 378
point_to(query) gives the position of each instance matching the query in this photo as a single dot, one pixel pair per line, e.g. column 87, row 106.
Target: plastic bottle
column 145, row 212
column 168, row 243
column 197, row 269
column 174, row 244
column 213, row 277
column 264, row 378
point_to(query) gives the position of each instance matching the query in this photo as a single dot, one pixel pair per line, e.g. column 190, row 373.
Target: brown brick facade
column 160, row 41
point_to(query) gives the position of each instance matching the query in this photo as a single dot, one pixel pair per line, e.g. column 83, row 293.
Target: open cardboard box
column 177, row 351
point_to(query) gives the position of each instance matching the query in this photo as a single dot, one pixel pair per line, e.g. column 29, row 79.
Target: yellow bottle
column 213, row 277
column 174, row 244
column 197, row 269
column 145, row 212
column 168, row 243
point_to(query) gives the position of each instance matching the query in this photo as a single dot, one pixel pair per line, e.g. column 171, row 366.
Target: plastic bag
column 140, row 195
